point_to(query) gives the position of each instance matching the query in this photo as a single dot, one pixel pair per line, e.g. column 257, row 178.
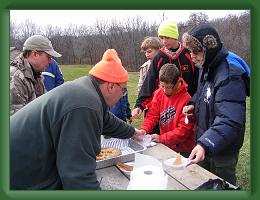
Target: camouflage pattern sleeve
column 19, row 91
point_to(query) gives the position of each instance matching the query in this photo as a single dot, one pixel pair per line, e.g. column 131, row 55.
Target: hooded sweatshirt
column 167, row 110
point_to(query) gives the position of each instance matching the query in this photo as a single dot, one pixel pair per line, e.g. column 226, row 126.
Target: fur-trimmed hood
column 201, row 38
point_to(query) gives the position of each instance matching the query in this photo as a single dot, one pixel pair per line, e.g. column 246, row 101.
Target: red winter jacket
column 167, row 110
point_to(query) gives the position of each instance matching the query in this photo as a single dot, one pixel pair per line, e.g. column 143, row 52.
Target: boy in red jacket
column 176, row 129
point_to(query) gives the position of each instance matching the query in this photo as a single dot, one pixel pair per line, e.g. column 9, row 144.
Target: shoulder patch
column 184, row 68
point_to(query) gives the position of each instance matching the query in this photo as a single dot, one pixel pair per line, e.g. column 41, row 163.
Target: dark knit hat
column 203, row 37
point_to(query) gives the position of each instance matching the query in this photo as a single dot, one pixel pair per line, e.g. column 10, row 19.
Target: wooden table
column 111, row 178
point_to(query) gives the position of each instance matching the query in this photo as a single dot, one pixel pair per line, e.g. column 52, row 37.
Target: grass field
column 72, row 72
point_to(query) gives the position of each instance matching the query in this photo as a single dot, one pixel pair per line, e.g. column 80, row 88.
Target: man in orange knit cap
column 54, row 140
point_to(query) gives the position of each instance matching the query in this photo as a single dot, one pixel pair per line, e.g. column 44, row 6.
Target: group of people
column 193, row 93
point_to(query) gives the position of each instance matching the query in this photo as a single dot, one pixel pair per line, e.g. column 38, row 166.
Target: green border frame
column 7, row 5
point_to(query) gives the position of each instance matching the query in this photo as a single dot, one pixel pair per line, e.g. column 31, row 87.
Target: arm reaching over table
column 139, row 134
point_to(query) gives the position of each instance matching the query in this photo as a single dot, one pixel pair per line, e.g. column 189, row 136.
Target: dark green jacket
column 54, row 139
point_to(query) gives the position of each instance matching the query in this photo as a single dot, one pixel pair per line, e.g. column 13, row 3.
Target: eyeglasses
column 124, row 89
column 166, row 87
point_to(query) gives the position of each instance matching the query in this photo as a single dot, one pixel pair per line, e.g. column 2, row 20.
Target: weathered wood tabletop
column 111, row 178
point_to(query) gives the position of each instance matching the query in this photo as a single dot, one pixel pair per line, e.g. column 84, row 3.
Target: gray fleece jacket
column 54, row 139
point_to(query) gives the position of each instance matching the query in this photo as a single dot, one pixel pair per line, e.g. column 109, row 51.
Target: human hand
column 188, row 110
column 155, row 138
column 136, row 113
column 197, row 154
column 139, row 134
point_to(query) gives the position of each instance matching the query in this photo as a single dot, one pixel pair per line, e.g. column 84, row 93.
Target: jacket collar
column 183, row 87
column 22, row 64
column 104, row 104
column 171, row 54
column 211, row 67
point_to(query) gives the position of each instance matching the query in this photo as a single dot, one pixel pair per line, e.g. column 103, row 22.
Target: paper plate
column 170, row 163
column 125, row 171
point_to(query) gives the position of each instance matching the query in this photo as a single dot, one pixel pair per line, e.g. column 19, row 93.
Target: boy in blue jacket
column 122, row 109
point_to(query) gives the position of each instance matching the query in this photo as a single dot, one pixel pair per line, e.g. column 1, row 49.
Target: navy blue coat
column 52, row 76
column 220, row 106
column 122, row 109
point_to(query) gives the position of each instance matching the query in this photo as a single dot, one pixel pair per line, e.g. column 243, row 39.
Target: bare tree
column 86, row 44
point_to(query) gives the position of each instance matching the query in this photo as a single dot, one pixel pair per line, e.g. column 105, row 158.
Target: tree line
column 82, row 44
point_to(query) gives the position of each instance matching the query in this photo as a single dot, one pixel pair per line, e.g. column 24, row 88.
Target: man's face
column 41, row 60
column 167, row 88
column 119, row 89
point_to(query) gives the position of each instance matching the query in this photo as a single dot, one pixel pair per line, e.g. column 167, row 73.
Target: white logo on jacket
column 209, row 141
column 208, row 95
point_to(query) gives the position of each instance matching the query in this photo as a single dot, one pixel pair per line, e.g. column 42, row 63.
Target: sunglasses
column 124, row 89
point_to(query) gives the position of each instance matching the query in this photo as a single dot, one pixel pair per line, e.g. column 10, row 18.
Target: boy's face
column 167, row 88
column 151, row 53
column 169, row 42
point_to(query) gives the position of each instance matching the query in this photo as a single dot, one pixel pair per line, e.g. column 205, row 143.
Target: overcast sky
column 63, row 18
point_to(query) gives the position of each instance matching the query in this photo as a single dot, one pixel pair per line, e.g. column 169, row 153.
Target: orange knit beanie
column 110, row 68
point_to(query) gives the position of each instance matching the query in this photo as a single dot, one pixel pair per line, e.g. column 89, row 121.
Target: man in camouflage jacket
column 26, row 82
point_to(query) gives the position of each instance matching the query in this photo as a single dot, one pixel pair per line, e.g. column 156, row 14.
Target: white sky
column 63, row 18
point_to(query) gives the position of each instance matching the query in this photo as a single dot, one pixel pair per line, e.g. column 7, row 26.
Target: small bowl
column 170, row 163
